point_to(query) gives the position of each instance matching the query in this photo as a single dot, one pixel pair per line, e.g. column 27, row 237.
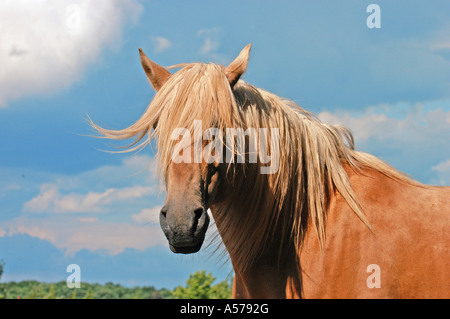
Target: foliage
column 31, row 289
column 199, row 286
column 2, row 289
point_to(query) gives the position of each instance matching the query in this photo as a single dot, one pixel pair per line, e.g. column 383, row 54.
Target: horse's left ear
column 236, row 68
column 156, row 74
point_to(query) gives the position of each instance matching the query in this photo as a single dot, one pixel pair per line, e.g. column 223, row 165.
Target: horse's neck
column 260, row 278
column 243, row 215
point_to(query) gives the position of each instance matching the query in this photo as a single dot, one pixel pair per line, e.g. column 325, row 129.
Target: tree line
column 199, row 285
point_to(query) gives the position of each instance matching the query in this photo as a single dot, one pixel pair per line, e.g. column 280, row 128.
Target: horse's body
column 328, row 222
column 409, row 243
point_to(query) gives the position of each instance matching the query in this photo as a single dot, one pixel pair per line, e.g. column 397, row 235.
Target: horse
column 326, row 221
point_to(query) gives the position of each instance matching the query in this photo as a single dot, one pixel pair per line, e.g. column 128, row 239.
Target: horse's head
column 191, row 187
column 191, row 184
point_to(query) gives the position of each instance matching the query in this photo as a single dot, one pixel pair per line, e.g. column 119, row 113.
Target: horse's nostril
column 164, row 211
column 198, row 213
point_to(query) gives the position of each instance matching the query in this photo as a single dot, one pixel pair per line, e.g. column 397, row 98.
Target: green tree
column 222, row 290
column 51, row 293
column 199, row 286
column 2, row 288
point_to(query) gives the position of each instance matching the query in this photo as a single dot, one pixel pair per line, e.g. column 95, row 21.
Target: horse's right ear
column 156, row 74
column 236, row 68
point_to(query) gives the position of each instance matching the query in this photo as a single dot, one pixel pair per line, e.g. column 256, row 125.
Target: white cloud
column 96, row 190
column 137, row 169
column 161, row 44
column 375, row 122
column 88, row 219
column 211, row 45
column 46, row 45
column 42, row 201
column 442, row 167
column 71, row 234
column 51, row 200
column 412, row 138
column 443, row 172
column 147, row 215
column 92, row 210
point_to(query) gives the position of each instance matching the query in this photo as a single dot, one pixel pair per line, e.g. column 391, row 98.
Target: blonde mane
column 311, row 154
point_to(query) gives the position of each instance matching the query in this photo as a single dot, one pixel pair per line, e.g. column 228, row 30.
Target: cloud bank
column 412, row 138
column 46, row 45
column 109, row 208
column 51, row 200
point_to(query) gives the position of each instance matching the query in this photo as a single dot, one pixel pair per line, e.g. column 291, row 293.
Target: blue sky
column 63, row 201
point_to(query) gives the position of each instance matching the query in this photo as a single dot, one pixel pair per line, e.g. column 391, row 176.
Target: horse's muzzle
column 185, row 231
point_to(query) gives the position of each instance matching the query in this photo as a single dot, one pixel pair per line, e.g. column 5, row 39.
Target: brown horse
column 302, row 216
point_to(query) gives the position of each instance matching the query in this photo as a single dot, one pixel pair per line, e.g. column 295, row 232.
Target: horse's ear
column 156, row 74
column 236, row 68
